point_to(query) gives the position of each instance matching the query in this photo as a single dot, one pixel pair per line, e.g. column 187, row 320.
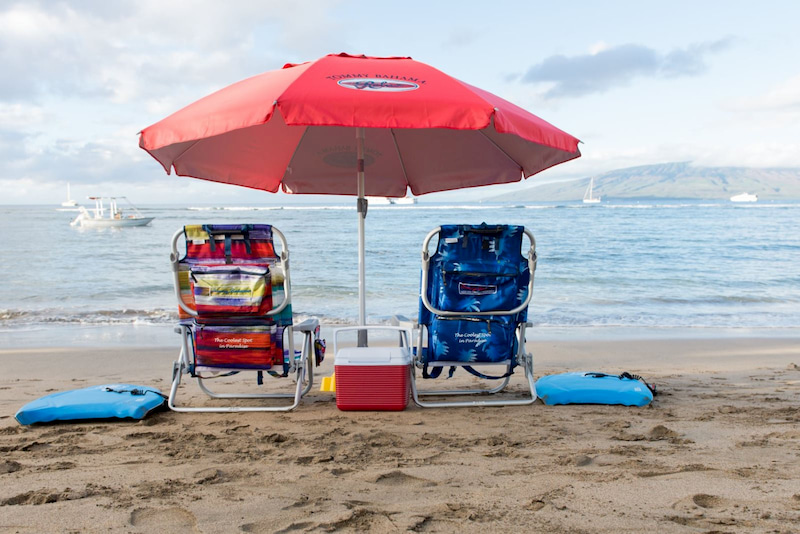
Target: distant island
column 670, row 180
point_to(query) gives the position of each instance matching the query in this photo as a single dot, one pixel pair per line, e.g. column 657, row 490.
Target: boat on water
column 388, row 201
column 102, row 216
column 744, row 197
column 588, row 196
column 70, row 202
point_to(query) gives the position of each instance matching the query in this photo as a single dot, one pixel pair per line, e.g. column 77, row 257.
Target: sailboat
column 69, row 203
column 588, row 197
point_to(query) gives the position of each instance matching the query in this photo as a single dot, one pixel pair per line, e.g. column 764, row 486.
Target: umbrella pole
column 361, row 207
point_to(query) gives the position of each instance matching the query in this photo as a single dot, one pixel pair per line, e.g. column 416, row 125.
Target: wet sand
column 717, row 451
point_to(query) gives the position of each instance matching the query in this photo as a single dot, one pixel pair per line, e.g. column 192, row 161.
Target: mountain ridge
column 671, row 180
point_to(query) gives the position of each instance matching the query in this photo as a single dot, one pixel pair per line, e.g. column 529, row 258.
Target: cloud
column 609, row 67
column 66, row 161
column 784, row 96
column 115, row 50
column 79, row 78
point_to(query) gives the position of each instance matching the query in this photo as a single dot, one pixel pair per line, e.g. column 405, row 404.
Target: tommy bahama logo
column 476, row 289
column 378, row 84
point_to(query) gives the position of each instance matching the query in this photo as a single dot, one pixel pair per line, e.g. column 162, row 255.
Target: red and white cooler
column 372, row 378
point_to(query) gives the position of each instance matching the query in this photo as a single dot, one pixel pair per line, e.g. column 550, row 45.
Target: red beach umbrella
column 356, row 125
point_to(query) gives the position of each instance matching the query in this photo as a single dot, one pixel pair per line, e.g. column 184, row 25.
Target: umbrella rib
column 498, row 147
column 400, row 157
column 184, row 151
column 294, row 152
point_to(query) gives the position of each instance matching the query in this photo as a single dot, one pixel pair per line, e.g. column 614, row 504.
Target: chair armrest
column 403, row 321
column 309, row 325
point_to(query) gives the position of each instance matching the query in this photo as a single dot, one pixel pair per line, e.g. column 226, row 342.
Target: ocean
column 627, row 267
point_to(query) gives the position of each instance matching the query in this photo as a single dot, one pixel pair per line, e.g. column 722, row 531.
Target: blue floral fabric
column 476, row 268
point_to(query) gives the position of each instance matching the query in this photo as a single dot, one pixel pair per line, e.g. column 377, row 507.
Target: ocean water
column 618, row 265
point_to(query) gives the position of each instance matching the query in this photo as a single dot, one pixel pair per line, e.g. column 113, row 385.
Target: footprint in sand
column 660, row 432
column 535, row 505
column 578, row 460
column 398, row 478
column 361, row 520
column 704, row 500
column 699, row 500
column 164, row 519
column 9, row 466
column 269, row 527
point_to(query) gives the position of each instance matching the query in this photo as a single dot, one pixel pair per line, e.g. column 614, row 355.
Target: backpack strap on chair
column 212, row 245
column 227, row 236
column 472, row 371
column 436, row 371
column 246, row 236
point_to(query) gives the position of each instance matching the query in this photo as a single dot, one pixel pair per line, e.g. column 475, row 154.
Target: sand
column 717, row 451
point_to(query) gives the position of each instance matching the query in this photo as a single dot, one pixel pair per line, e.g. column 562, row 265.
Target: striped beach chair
column 474, row 298
column 234, row 303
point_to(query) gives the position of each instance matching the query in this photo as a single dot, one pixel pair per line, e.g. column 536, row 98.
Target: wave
column 553, row 317
column 352, row 207
column 234, row 208
column 271, row 208
column 722, row 299
column 15, row 318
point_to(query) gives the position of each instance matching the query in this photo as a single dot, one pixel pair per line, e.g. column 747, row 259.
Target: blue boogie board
column 594, row 388
column 96, row 402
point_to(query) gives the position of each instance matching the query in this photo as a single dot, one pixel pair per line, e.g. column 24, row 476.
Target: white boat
column 379, row 201
column 111, row 216
column 744, row 197
column 588, row 197
column 69, row 203
column 387, row 201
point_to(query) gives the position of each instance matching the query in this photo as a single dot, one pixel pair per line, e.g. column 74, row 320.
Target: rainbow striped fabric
column 239, row 347
column 226, row 290
column 231, row 276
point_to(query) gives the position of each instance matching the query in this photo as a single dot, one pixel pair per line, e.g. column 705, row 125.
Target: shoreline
column 659, row 355
column 163, row 335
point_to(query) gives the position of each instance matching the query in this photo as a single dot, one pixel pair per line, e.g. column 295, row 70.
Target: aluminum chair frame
column 301, row 368
column 524, row 358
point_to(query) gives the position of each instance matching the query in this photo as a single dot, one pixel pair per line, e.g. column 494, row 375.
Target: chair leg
column 526, row 362
column 307, row 355
column 417, row 396
column 296, row 396
column 303, row 376
column 177, row 371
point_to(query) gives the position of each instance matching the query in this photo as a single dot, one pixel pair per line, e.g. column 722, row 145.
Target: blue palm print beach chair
column 474, row 299
column 235, row 307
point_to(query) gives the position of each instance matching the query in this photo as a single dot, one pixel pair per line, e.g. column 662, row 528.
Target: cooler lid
column 373, row 356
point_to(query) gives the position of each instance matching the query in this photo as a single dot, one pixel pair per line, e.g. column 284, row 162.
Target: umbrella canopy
column 292, row 129
column 356, row 125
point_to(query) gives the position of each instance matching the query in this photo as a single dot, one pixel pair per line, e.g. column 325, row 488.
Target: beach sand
column 717, row 451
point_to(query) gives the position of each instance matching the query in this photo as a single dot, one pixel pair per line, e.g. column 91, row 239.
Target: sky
column 716, row 83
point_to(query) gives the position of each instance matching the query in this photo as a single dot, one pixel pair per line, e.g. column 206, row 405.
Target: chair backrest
column 475, row 292
column 234, row 288
column 214, row 250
